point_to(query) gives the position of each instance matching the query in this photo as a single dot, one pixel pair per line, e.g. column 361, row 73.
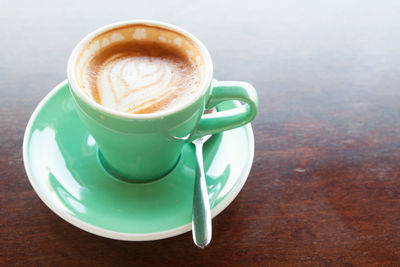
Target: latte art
column 134, row 84
column 141, row 79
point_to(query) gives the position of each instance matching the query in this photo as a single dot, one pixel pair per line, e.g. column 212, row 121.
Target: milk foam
column 134, row 84
column 140, row 80
column 140, row 69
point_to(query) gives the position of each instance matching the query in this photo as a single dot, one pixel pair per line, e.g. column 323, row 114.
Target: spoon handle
column 201, row 214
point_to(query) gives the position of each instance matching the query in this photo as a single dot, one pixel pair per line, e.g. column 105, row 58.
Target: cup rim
column 81, row 44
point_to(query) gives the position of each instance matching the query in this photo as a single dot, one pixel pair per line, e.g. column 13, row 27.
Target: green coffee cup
column 144, row 147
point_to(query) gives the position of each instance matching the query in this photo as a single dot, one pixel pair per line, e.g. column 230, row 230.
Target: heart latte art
column 141, row 77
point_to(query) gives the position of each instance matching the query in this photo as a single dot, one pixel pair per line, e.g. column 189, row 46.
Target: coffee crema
column 141, row 77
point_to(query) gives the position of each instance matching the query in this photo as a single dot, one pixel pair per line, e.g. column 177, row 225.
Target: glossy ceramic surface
column 62, row 162
column 144, row 147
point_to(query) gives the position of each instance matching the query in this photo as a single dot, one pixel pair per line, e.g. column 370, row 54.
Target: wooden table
column 325, row 183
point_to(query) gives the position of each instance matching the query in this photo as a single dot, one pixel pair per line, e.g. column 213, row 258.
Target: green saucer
column 62, row 162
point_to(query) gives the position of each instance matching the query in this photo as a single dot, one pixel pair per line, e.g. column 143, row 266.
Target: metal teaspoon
column 201, row 213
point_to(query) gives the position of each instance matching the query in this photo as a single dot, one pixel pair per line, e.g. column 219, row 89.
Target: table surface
column 325, row 183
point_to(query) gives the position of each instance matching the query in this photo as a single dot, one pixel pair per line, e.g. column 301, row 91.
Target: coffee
column 141, row 75
column 168, row 60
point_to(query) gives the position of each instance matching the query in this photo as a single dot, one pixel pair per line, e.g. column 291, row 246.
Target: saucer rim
column 123, row 235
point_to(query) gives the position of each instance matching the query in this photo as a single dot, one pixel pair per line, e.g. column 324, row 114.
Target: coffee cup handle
column 225, row 120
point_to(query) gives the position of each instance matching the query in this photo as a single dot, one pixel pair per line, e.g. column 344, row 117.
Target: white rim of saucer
column 74, row 85
column 121, row 235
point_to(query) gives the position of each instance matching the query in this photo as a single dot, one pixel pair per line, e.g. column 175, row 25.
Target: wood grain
column 325, row 184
